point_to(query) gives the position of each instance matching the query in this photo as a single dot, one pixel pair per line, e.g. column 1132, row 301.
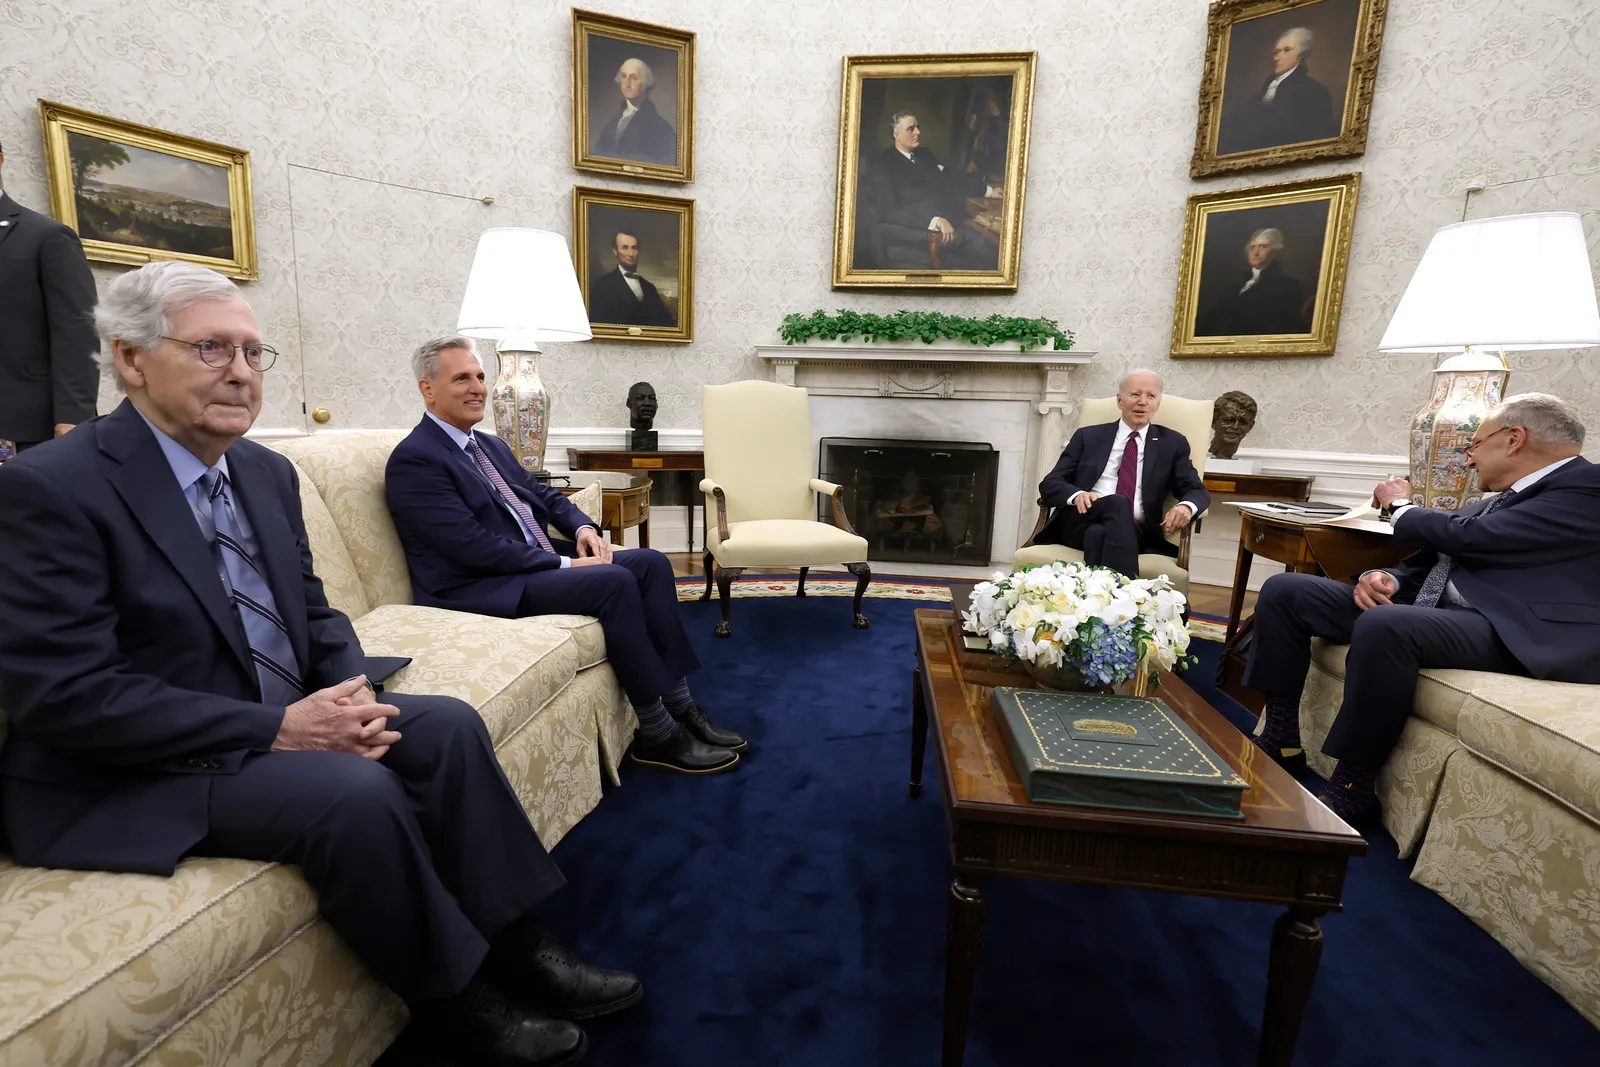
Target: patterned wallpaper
column 376, row 125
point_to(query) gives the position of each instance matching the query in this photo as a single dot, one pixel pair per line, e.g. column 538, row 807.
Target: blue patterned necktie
column 241, row 574
column 1434, row 584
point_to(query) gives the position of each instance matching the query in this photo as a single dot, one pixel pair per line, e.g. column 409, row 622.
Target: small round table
column 625, row 501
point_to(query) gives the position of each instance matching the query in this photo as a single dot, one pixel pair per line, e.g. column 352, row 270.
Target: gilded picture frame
column 634, row 254
column 135, row 194
column 916, row 205
column 1263, row 269
column 1286, row 81
column 632, row 98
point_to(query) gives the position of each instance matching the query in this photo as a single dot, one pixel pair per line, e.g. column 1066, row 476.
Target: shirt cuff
column 566, row 561
column 1074, row 496
column 1193, row 511
column 1399, row 508
column 933, row 223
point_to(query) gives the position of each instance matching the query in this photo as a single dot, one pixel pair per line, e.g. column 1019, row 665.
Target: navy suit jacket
column 1167, row 468
column 464, row 549
column 124, row 670
column 1532, row 568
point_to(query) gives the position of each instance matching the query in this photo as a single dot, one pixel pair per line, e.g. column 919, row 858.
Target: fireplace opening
column 915, row 501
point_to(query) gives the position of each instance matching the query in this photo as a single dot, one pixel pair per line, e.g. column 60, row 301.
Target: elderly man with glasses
column 177, row 685
column 1509, row 583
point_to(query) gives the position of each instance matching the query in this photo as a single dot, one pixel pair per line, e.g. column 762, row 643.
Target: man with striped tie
column 1509, row 584
column 176, row 685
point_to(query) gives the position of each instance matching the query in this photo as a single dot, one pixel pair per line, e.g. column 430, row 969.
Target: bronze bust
column 641, row 414
column 1232, row 418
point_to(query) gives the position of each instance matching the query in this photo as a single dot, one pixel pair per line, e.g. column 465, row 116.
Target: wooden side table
column 624, row 501
column 1263, row 486
column 587, row 459
column 1276, row 539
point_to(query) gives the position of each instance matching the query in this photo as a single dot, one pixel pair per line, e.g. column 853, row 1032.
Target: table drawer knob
column 1261, row 536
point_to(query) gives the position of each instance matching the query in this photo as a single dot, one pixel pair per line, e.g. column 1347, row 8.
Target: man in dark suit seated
column 177, row 685
column 474, row 527
column 1110, row 483
column 624, row 296
column 1510, row 584
column 915, row 195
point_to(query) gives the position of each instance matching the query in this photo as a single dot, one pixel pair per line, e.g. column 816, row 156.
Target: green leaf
column 928, row 326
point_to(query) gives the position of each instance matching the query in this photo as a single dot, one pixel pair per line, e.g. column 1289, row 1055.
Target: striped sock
column 678, row 700
column 1281, row 734
column 654, row 721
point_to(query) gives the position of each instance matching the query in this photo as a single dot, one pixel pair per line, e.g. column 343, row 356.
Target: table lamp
column 522, row 290
column 1485, row 287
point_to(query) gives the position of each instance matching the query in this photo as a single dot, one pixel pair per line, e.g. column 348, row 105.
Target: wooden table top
column 980, row 782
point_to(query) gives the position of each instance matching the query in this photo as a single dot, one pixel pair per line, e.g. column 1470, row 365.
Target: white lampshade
column 523, row 289
column 1514, row 282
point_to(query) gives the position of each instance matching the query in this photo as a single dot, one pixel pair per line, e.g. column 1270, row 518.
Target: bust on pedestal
column 1232, row 418
column 641, row 414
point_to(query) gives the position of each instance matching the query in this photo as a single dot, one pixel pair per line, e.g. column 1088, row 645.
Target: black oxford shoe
column 697, row 722
column 682, row 751
column 563, row 984
column 481, row 1022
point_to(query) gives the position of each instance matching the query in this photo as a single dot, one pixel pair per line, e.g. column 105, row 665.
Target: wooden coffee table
column 1288, row 850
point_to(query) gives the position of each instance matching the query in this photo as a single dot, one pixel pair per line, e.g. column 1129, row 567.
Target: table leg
column 919, row 731
column 1241, row 578
column 644, row 533
column 1296, row 950
column 616, row 532
column 688, row 524
column 963, row 939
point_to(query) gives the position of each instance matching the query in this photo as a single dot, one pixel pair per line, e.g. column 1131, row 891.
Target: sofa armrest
column 713, row 491
column 831, row 489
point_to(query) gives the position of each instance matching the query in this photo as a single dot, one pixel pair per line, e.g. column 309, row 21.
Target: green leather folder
column 1129, row 753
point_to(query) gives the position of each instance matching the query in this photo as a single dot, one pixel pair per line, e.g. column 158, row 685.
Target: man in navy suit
column 1110, row 483
column 177, row 685
column 1510, row 584
column 475, row 529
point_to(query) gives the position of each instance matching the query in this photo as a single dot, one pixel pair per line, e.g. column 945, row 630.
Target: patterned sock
column 678, row 700
column 1353, row 792
column 655, row 723
column 1281, row 733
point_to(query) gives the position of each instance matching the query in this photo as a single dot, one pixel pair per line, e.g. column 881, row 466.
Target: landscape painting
column 136, row 194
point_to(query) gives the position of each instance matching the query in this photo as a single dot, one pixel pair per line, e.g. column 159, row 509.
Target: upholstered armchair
column 760, row 493
column 1192, row 418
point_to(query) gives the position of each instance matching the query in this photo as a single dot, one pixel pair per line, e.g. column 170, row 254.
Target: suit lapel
column 275, row 541
column 148, row 488
column 10, row 217
column 1153, row 493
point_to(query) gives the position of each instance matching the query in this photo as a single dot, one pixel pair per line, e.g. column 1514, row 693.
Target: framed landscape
column 136, row 194
column 632, row 98
column 634, row 255
column 1262, row 271
column 1286, row 81
column 933, row 167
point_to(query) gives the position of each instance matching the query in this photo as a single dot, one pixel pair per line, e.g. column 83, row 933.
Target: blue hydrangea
column 1105, row 655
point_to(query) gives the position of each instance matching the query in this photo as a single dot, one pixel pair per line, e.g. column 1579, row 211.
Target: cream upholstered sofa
column 226, row 962
column 1192, row 418
column 1495, row 786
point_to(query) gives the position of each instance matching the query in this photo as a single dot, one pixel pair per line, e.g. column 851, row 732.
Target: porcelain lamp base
column 522, row 408
column 1465, row 387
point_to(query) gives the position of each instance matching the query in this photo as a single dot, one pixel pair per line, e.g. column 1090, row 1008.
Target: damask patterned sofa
column 226, row 963
column 1497, row 778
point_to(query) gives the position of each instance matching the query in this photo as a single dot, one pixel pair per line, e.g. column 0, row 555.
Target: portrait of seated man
column 918, row 206
column 1261, row 298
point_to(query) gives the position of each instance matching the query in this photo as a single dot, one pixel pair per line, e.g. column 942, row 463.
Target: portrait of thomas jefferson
column 1265, row 300
column 1287, row 76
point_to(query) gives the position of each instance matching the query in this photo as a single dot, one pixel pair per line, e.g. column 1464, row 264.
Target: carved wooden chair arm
column 836, row 491
column 1038, row 526
column 712, row 489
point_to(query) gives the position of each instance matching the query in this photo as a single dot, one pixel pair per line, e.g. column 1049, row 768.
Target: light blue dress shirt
column 187, row 468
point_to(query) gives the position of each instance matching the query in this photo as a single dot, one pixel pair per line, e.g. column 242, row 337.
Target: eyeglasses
column 1472, row 447
column 218, row 354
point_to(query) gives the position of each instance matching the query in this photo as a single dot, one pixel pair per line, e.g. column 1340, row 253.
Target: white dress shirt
column 629, row 109
column 461, row 439
column 1255, row 276
column 633, row 283
column 1272, row 86
column 1106, row 484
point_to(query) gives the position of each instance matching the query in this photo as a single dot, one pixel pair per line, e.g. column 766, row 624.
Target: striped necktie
column 241, row 574
column 516, row 503
column 1433, row 585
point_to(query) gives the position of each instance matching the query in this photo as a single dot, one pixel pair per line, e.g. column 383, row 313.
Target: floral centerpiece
column 1077, row 626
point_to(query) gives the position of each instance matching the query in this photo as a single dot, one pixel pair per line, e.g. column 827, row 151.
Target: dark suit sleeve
column 431, row 517
column 69, row 300
column 64, row 681
column 335, row 650
column 564, row 514
column 915, row 214
column 1186, row 481
column 1063, row 481
column 1547, row 528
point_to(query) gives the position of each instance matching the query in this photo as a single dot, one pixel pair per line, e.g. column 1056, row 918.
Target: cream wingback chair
column 1192, row 418
column 761, row 495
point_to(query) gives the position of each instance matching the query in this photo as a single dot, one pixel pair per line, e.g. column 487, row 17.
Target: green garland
column 928, row 326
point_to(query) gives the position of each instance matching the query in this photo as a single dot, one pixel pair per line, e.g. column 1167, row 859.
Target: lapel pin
column 5, row 222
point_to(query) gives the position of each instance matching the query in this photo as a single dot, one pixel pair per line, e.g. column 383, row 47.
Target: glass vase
column 1065, row 677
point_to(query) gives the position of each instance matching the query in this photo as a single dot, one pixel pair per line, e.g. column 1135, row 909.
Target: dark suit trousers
column 636, row 600
column 1106, row 533
column 1389, row 644
column 418, row 860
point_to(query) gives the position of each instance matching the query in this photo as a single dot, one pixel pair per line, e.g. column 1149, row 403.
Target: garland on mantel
column 927, row 326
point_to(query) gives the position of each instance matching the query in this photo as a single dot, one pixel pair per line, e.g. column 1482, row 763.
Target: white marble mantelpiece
column 950, row 391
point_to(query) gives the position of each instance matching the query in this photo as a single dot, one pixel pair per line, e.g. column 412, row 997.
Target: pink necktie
column 518, row 505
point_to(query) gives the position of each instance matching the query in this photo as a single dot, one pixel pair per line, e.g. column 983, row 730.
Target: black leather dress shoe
column 562, row 984
column 682, row 751
column 697, row 722
column 482, row 1023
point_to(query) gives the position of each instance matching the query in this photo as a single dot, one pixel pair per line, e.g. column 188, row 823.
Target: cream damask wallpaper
column 377, row 126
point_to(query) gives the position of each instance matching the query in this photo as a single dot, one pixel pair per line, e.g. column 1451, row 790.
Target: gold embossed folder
column 1130, row 753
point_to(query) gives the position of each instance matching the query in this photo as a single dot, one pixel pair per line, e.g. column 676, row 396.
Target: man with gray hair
column 639, row 132
column 1509, row 584
column 918, row 206
column 1262, row 299
column 177, row 685
column 1290, row 107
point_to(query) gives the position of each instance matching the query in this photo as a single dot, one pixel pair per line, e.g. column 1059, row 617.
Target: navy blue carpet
column 793, row 912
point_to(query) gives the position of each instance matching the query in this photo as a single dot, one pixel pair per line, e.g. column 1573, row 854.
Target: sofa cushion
column 98, row 967
column 341, row 582
column 507, row 669
column 1440, row 693
column 585, row 630
column 786, row 543
column 348, row 471
column 1546, row 733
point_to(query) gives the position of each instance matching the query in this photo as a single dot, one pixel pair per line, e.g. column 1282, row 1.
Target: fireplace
column 915, row 501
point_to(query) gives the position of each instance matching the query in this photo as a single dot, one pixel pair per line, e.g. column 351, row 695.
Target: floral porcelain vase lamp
column 522, row 290
column 1483, row 288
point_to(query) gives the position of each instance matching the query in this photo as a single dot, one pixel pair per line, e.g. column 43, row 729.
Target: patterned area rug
column 887, row 587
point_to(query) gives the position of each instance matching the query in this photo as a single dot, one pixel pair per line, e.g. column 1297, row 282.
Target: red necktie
column 1128, row 473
